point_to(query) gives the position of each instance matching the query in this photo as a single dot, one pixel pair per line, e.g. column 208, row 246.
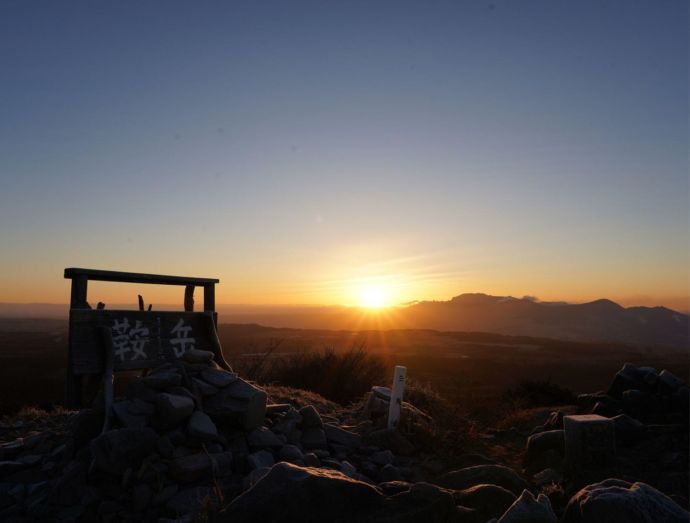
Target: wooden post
column 189, row 298
column 73, row 383
column 210, row 297
column 396, row 396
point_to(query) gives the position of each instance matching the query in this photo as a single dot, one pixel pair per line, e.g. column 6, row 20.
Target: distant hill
column 600, row 320
column 596, row 321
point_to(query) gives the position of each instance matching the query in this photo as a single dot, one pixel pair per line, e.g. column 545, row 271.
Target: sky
column 324, row 152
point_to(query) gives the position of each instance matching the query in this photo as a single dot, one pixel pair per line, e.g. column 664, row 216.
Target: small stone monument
column 590, row 442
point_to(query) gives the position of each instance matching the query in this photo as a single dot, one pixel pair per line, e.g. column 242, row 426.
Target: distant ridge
column 600, row 320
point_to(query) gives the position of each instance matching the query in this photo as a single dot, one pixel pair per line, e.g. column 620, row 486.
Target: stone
column 260, row 459
column 483, row 474
column 194, row 467
column 382, row 457
column 239, row 403
column 117, row 450
column 171, row 410
column 490, row 501
column 554, row 421
column 547, row 477
column 392, row 440
column 618, row 500
column 589, row 442
column 192, row 500
column 197, row 356
column 141, row 497
column 140, row 407
column 543, row 441
column 10, row 467
column 254, row 476
column 295, row 492
column 218, row 377
column 311, row 460
column 201, row 426
column 335, row 434
column 125, row 416
column 290, row 453
column 162, row 380
column 632, row 377
column 668, row 382
column 348, row 468
column 390, row 472
column 314, row 438
column 528, row 509
column 628, row 430
column 205, row 389
column 310, row 417
column 262, row 437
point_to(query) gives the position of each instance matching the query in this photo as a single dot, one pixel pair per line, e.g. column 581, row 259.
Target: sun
column 373, row 297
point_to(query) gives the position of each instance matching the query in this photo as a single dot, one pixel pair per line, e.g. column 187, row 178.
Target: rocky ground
column 191, row 442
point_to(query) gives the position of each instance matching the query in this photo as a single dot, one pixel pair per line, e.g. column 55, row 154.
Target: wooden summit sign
column 106, row 341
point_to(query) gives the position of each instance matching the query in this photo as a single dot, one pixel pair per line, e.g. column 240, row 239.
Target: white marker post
column 396, row 396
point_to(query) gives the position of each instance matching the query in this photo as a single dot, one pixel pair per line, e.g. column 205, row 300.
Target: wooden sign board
column 141, row 339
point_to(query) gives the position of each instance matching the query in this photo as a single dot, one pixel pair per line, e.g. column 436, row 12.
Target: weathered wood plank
column 136, row 277
column 141, row 339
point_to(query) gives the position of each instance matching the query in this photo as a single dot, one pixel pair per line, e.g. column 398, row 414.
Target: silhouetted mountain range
column 600, row 320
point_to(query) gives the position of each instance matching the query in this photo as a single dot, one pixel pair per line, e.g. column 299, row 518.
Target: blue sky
column 303, row 150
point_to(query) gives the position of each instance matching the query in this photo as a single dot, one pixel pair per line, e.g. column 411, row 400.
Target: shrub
column 538, row 393
column 342, row 377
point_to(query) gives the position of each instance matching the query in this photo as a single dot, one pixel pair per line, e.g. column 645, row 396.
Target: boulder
column 314, row 438
column 239, row 403
column 201, row 426
column 392, row 440
column 668, row 382
column 632, row 377
column 171, row 410
column 310, row 417
column 490, row 501
column 527, row 509
column 618, row 500
column 303, row 494
column 335, row 434
column 628, row 430
column 194, row 467
column 483, row 474
column 262, row 437
column 589, row 442
column 290, row 453
column 218, row 377
column 117, row 450
column 260, row 459
column 543, row 441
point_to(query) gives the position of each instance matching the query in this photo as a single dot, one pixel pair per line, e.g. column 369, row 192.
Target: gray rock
column 260, row 459
column 205, row 389
column 527, row 509
column 171, row 410
column 290, row 453
column 390, row 473
column 197, row 356
column 10, row 467
column 490, row 501
column 311, row 460
column 335, row 434
column 382, row 457
column 117, row 450
column 162, row 380
column 140, row 407
column 627, row 429
column 254, row 476
column 262, row 437
column 392, row 440
column 618, row 500
column 543, row 441
column 193, row 500
column 200, row 426
column 124, row 415
column 188, row 469
column 547, row 477
column 310, row 417
column 669, row 383
column 314, row 438
column 141, row 497
column 632, row 377
column 218, row 377
column 348, row 469
column 483, row 474
column 239, row 403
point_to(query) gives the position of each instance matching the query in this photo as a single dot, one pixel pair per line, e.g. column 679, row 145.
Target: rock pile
column 190, row 441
